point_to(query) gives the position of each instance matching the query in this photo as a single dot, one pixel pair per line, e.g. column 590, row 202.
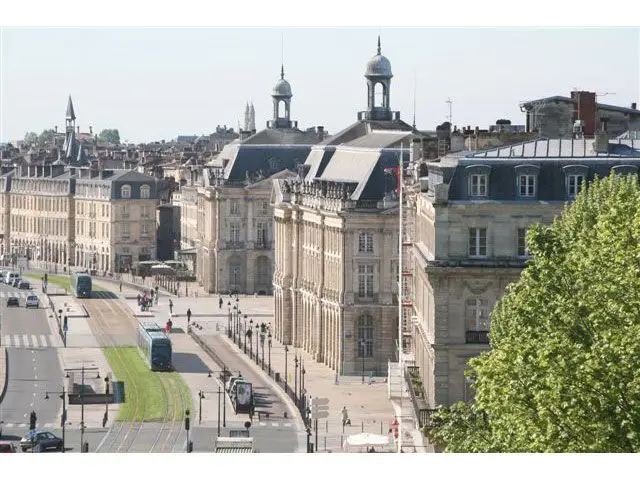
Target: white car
column 32, row 301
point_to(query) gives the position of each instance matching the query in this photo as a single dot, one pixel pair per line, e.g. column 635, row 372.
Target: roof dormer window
column 479, row 185
column 527, row 185
column 575, row 176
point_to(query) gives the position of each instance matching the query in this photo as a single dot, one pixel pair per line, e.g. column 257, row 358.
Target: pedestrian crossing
column 31, row 341
column 274, row 424
column 40, row 426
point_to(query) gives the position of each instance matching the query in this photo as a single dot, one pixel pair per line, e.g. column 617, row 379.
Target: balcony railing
column 262, row 245
column 477, row 336
column 234, row 245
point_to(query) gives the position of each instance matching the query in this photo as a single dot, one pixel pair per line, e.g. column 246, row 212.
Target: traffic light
column 32, row 420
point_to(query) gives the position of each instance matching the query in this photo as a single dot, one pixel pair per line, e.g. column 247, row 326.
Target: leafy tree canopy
column 110, row 135
column 30, row 138
column 563, row 372
column 46, row 137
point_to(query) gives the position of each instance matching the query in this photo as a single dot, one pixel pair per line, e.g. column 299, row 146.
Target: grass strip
column 151, row 396
column 57, row 280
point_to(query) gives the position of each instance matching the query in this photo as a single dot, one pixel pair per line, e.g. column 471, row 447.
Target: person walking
column 188, row 316
column 170, row 306
column 220, row 302
column 120, row 286
column 169, row 325
column 345, row 417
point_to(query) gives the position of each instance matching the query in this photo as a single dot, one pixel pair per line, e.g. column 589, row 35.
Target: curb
column 283, row 396
column 3, row 391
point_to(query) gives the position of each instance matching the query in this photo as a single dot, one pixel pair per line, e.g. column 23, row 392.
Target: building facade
column 472, row 217
column 336, row 239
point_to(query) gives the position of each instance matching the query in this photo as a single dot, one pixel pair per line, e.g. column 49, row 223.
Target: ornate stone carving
column 477, row 287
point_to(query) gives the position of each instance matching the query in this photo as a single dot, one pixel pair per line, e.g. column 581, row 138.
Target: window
column 478, row 314
column 234, row 207
column 124, row 209
column 522, row 243
column 264, row 208
column 144, row 211
column 573, row 185
column 145, row 230
column 365, row 281
column 527, row 187
column 365, row 336
column 125, row 230
column 479, row 185
column 145, row 191
column 234, row 233
column 365, row 242
column 477, row 242
column 261, row 234
column 125, row 191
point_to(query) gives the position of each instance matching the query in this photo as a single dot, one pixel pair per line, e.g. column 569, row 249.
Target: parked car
column 10, row 277
column 16, row 281
column 3, row 273
column 7, row 447
column 40, row 441
column 24, row 285
column 13, row 302
column 32, row 301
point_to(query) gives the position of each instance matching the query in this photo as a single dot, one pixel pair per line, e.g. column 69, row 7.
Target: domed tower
column 281, row 94
column 379, row 75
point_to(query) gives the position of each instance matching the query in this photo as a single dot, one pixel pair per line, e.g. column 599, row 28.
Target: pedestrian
column 120, row 286
column 345, row 417
column 188, row 315
column 170, row 306
column 169, row 325
column 220, row 302
column 139, row 298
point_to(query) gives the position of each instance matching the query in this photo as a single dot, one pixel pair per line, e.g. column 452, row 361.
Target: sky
column 157, row 83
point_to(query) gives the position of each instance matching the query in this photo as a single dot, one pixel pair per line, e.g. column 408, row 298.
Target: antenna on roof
column 414, row 97
column 282, row 48
column 450, row 102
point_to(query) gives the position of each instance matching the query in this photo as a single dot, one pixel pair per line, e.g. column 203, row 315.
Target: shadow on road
column 189, row 363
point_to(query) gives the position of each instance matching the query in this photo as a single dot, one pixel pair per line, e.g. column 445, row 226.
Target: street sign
column 319, row 408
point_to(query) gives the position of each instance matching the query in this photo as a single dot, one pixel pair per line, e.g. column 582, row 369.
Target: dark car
column 7, row 447
column 23, row 285
column 13, row 302
column 40, row 441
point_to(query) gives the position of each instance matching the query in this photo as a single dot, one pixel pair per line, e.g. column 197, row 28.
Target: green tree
column 110, row 135
column 562, row 372
column 30, row 138
column 46, row 137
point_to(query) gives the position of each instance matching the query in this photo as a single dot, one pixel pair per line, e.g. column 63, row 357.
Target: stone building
column 65, row 217
column 336, row 239
column 554, row 117
column 234, row 215
column 471, row 220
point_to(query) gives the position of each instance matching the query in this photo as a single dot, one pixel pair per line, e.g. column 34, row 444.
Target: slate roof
column 282, row 136
column 550, row 158
column 269, row 159
column 560, row 98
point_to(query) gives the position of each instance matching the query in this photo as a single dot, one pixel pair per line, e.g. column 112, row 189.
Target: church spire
column 379, row 50
column 71, row 115
column 282, row 71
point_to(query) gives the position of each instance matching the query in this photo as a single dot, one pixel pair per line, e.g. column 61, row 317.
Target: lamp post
column 295, row 380
column 269, row 344
column 363, row 344
column 229, row 323
column 257, row 350
column 302, row 390
column 187, row 425
column 245, row 322
column 262, row 337
column 63, row 418
column 106, row 400
column 249, row 335
column 286, row 380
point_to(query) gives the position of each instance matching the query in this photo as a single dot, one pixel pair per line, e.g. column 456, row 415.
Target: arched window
column 125, row 191
column 365, row 335
column 145, row 191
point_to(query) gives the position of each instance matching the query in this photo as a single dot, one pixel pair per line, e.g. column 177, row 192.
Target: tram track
column 122, row 436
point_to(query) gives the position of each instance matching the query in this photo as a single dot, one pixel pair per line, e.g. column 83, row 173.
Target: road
column 273, row 432
column 33, row 365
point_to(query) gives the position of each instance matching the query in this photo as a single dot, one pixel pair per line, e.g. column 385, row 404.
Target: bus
column 82, row 285
column 156, row 348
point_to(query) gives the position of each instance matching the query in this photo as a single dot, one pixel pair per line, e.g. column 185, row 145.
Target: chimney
column 55, row 129
column 476, row 130
column 320, row 132
column 633, row 106
column 90, row 130
column 601, row 143
column 586, row 110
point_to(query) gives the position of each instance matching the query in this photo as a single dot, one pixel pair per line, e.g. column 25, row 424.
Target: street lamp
column 63, row 418
column 286, row 380
column 363, row 344
column 269, row 337
column 263, row 329
column 106, row 401
column 295, row 379
column 302, row 390
column 244, row 327
column 257, row 335
column 249, row 335
column 229, row 323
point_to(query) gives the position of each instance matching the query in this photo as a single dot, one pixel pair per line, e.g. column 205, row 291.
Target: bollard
column 362, row 423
